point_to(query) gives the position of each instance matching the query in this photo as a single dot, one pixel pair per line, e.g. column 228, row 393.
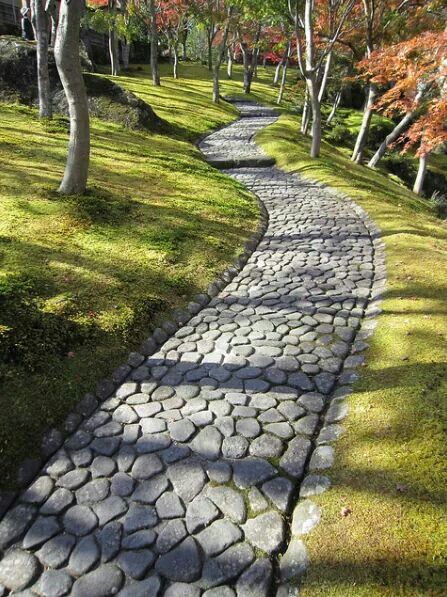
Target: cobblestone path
column 184, row 482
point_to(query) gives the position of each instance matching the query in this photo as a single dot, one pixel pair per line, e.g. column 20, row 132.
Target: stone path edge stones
column 53, row 439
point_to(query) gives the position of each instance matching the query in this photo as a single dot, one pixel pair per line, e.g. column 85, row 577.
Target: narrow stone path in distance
column 183, row 482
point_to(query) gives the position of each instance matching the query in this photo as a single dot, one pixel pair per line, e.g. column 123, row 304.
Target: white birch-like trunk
column 391, row 138
column 113, row 52
column 305, row 119
column 229, row 64
column 334, row 107
column 422, row 171
column 284, row 74
column 324, row 81
column 362, row 137
column 175, row 66
column 316, row 117
column 277, row 73
column 43, row 77
column 68, row 64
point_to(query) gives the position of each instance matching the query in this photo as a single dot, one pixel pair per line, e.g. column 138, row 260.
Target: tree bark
column 334, row 107
column 210, row 38
column 175, row 70
column 393, row 136
column 229, row 64
column 305, row 119
column 316, row 116
column 43, row 77
column 113, row 52
column 419, row 182
column 324, row 81
column 125, row 54
column 220, row 58
column 362, row 137
column 68, row 64
column 154, row 44
column 277, row 72
column 284, row 74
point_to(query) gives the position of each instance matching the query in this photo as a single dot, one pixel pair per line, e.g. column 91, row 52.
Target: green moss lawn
column 391, row 463
column 83, row 280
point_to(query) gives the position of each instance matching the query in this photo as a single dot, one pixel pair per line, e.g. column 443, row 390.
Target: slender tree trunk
column 362, row 137
column 175, row 50
column 284, row 74
column 334, row 107
column 125, row 54
column 229, row 64
column 154, row 44
column 277, row 72
column 220, row 58
column 393, row 136
column 210, row 50
column 316, row 116
column 248, row 73
column 43, row 77
column 68, row 64
column 113, row 52
column 54, row 19
column 419, row 182
column 305, row 119
column 324, row 81
column 255, row 63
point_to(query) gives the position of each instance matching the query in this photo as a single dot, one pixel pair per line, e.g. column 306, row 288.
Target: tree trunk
column 68, row 64
column 113, row 52
column 210, row 50
column 175, row 50
column 284, row 75
column 334, row 107
column 305, row 119
column 393, row 136
column 277, row 72
column 316, row 116
column 154, row 44
column 220, row 58
column 362, row 137
column 125, row 54
column 53, row 27
column 419, row 182
column 43, row 77
column 229, row 64
column 324, row 81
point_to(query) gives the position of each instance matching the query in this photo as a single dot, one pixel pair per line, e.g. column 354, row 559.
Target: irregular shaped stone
column 84, row 556
column 57, row 502
column 139, row 517
column 182, row 430
column 14, row 524
column 219, row 471
column 139, row 539
column 54, row 583
column 279, row 491
column 182, row 564
column 306, row 516
column 180, row 589
column 102, row 466
column 294, row 458
column 200, row 513
column 79, row 520
column 55, row 552
column 252, row 471
column 266, row 446
column 102, row 582
column 312, row 401
column 39, row 491
column 169, row 505
column 42, row 529
column 265, row 531
column 149, row 587
column 227, row 566
column 314, row 485
column 173, row 532
column 125, row 414
column 136, row 563
column 229, row 501
column 73, row 479
column 94, row 491
column 257, row 501
column 294, row 561
column 110, row 508
column 256, row 580
column 207, row 443
column 306, row 425
column 248, row 427
column 234, row 447
column 218, row 536
column 146, row 466
column 282, row 430
column 18, row 569
column 122, row 484
column 109, row 540
column 188, row 478
column 148, row 492
column 322, row 458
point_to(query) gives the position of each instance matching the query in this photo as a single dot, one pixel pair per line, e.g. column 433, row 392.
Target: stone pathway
column 184, row 481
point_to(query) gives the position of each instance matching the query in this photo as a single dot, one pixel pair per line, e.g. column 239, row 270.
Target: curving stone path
column 184, row 481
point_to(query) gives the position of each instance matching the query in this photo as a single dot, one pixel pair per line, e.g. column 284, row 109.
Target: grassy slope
column 158, row 226
column 391, row 463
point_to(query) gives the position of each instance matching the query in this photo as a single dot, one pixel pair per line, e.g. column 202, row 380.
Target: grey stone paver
column 174, row 483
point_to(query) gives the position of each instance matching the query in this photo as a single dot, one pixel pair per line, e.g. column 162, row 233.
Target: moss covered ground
column 391, row 463
column 83, row 280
